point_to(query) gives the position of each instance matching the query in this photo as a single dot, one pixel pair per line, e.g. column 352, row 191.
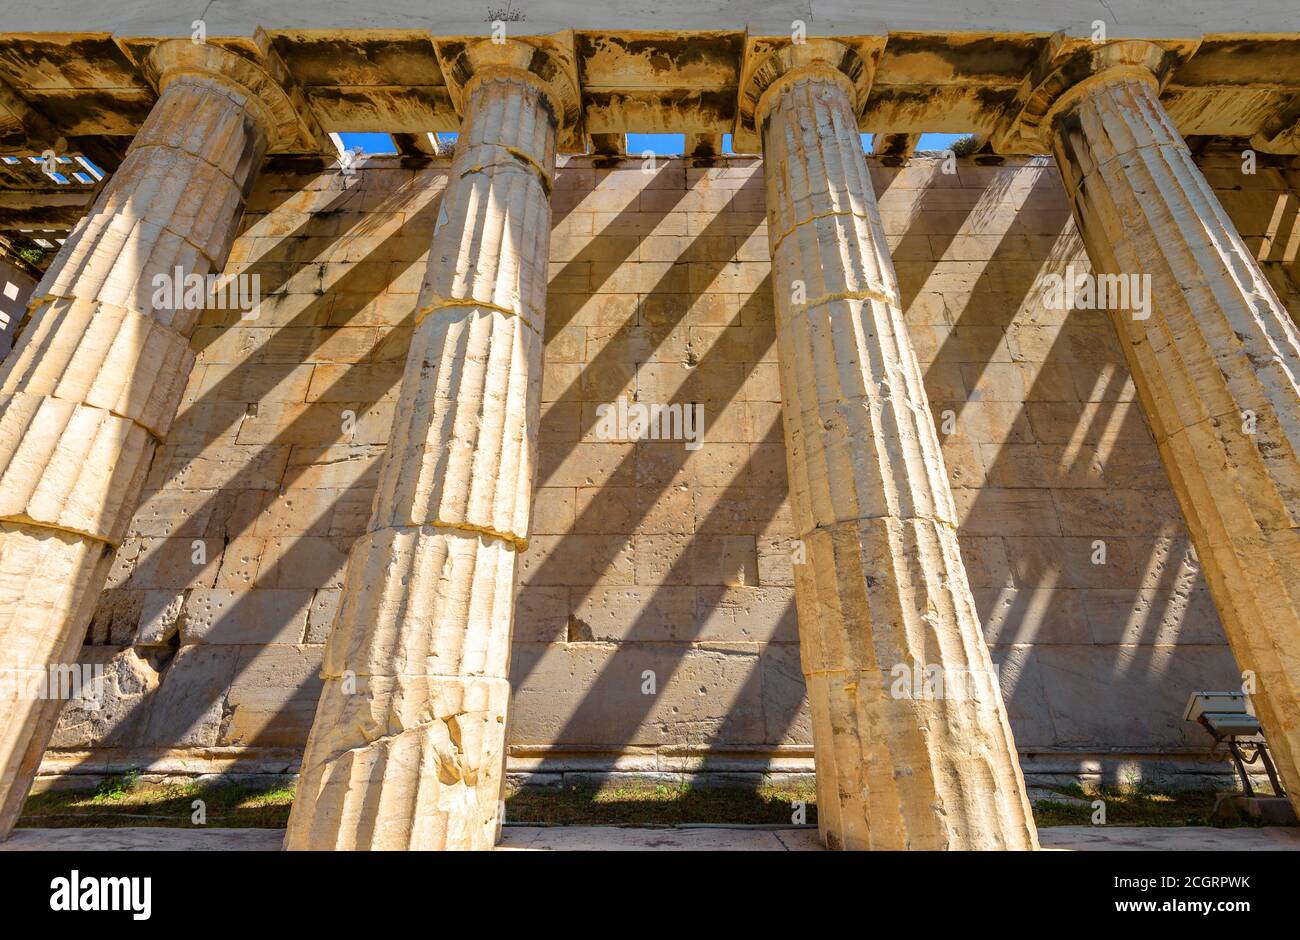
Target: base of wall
column 273, row 767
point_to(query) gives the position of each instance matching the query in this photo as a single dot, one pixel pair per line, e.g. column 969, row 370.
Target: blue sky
column 369, row 143
column 659, row 144
column 378, row 143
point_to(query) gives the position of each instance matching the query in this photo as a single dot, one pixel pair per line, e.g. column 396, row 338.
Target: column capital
column 774, row 70
column 1064, row 74
column 544, row 62
column 177, row 59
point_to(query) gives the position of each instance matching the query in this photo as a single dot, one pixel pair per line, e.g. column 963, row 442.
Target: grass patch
column 1136, row 806
column 124, row 801
column 661, row 805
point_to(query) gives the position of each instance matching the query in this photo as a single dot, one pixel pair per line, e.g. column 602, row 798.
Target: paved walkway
column 684, row 838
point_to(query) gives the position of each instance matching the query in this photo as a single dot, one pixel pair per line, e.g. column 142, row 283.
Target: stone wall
column 653, row 565
column 15, row 288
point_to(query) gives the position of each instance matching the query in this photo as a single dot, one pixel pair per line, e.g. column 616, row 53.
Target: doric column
column 1216, row 362
column 96, row 377
column 408, row 747
column 912, row 745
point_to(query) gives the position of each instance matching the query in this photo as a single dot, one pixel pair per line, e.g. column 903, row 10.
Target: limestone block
column 592, row 695
column 702, row 559
column 634, row 509
column 109, row 717
column 270, row 382
column 298, row 512
column 272, row 698
column 554, row 510
column 354, row 466
column 303, row 563
column 160, row 616
column 1039, row 615
column 117, row 616
column 1115, row 511
column 185, row 467
column 1075, row 694
column 764, row 614
column 320, row 615
column 320, row 423
column 554, row 560
column 178, row 513
column 1069, row 562
column 542, row 615
column 995, row 511
column 264, row 616
column 1165, row 616
column 187, row 708
column 986, row 561
column 240, row 560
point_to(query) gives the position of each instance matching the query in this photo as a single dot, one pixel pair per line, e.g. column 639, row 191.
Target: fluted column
column 96, row 377
column 1216, row 364
column 912, row 745
column 408, row 746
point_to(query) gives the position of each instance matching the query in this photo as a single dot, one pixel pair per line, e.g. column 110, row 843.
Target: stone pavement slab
column 682, row 838
column 144, row 839
column 1173, row 839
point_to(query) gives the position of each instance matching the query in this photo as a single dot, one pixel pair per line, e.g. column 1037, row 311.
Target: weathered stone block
column 246, row 617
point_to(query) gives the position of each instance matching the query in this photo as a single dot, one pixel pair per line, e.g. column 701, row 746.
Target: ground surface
column 614, row 838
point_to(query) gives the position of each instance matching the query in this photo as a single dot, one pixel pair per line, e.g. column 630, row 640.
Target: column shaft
column 1217, row 368
column 903, row 761
column 408, row 746
column 93, row 385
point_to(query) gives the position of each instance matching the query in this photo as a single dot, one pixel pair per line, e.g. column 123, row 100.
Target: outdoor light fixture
column 1227, row 716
